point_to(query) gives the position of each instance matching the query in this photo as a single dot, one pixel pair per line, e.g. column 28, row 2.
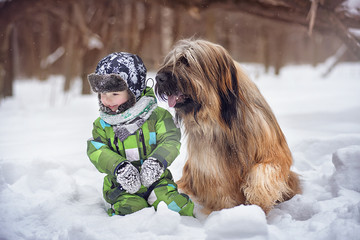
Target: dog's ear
column 229, row 97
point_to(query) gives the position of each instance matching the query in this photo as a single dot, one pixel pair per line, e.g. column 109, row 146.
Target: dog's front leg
column 266, row 185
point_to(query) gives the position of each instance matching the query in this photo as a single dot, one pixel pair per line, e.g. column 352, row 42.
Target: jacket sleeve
column 101, row 155
column 167, row 138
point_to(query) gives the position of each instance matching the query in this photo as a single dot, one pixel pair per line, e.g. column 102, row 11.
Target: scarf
column 128, row 122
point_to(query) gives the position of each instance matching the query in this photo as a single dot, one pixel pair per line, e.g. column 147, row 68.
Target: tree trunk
column 265, row 49
column 69, row 51
column 176, row 29
column 44, row 49
column 145, row 33
column 88, row 66
column 133, row 33
column 9, row 68
column 279, row 54
column 210, row 26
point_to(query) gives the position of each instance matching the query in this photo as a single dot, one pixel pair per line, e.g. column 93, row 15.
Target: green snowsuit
column 158, row 137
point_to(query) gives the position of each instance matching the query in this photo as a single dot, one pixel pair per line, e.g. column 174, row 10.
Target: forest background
column 39, row 38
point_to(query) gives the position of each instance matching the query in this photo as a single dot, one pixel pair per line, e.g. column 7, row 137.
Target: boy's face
column 113, row 100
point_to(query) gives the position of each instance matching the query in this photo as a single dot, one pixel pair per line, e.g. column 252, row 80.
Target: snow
column 94, row 42
column 235, row 223
column 351, row 7
column 50, row 190
column 347, row 168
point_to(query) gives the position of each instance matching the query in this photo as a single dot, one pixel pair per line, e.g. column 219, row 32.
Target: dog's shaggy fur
column 237, row 153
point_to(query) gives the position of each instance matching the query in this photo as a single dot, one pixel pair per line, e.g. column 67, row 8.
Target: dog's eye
column 184, row 61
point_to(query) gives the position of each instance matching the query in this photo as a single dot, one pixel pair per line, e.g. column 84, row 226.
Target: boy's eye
column 115, row 94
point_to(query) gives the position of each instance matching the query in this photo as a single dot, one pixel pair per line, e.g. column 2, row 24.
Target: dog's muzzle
column 162, row 77
column 167, row 89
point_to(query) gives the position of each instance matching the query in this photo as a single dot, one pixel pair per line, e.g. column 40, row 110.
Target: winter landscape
column 50, row 190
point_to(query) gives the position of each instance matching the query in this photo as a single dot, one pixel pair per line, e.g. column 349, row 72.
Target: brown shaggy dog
column 237, row 153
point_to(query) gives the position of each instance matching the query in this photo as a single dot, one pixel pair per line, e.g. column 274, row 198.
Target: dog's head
column 198, row 76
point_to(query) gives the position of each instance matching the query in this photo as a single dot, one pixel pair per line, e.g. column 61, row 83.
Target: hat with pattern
column 117, row 72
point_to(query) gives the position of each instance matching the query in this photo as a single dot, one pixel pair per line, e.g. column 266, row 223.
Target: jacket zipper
column 116, row 140
column 142, row 140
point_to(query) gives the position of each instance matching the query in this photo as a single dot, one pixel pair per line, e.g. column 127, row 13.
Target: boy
column 134, row 140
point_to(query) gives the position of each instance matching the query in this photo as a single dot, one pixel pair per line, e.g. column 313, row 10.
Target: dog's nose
column 160, row 77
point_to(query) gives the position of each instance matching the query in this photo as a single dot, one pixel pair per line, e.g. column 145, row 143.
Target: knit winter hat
column 117, row 72
column 120, row 71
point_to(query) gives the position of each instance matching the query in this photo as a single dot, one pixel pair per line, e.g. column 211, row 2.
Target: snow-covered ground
column 50, row 190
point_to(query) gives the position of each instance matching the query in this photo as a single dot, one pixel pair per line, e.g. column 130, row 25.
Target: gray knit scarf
column 126, row 123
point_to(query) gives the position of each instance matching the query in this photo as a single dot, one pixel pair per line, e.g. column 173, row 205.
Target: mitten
column 128, row 177
column 151, row 171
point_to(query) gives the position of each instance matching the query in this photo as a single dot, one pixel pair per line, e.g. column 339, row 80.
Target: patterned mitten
column 151, row 171
column 128, row 177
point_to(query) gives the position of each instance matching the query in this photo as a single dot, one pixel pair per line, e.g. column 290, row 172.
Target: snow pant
column 165, row 189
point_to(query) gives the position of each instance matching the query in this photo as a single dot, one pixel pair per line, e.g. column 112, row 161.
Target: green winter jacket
column 158, row 137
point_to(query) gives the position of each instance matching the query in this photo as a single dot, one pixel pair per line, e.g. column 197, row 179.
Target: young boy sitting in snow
column 134, row 140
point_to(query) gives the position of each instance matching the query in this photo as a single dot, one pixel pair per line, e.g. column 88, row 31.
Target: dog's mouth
column 182, row 102
column 166, row 88
column 175, row 100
